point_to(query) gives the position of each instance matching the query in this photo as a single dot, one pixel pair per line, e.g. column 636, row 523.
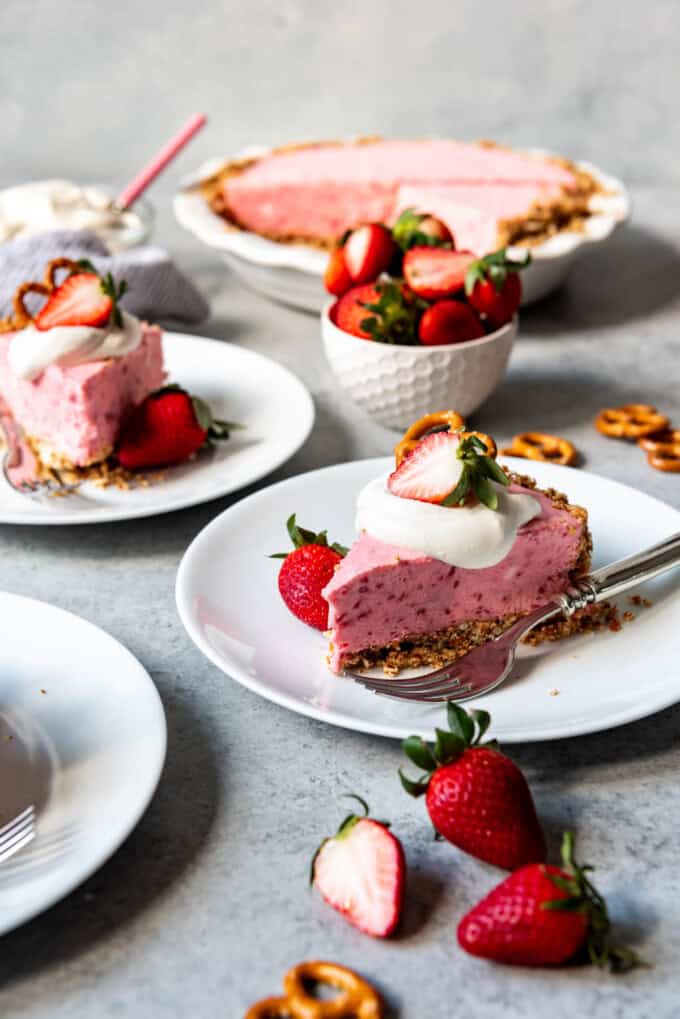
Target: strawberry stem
column 466, row 729
column 584, row 897
column 301, row 536
column 479, row 469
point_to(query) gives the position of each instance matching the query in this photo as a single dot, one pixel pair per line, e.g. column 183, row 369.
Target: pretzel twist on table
column 357, row 998
column 542, row 446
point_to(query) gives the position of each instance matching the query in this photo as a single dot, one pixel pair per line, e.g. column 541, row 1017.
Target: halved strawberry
column 350, row 311
column 337, row 279
column 361, row 873
column 368, row 251
column 436, row 272
column 431, row 471
column 81, row 300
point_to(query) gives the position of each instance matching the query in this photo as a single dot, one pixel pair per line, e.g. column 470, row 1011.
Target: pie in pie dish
column 488, row 195
column 451, row 550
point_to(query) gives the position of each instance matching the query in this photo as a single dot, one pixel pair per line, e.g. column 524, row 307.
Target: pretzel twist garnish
column 542, row 446
column 632, row 421
column 357, row 998
column 22, row 316
column 663, row 450
column 441, row 419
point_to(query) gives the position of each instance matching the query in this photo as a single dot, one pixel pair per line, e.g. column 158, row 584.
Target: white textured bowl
column 397, row 385
column 292, row 273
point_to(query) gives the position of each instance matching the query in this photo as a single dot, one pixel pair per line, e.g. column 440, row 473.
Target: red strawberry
column 368, row 251
column 436, row 272
column 167, row 428
column 82, row 300
column 349, row 313
column 361, row 873
column 384, row 311
column 476, row 797
column 430, row 471
column 337, row 279
column 494, row 288
column 449, row 321
column 306, row 571
column 437, row 230
column 542, row 916
column 417, row 229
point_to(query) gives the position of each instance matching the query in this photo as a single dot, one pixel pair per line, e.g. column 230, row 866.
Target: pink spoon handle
column 131, row 193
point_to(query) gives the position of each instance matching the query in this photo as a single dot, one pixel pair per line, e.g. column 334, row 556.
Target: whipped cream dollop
column 32, row 350
column 45, row 205
column 471, row 537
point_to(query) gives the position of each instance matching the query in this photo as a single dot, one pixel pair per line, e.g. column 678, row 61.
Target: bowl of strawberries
column 414, row 323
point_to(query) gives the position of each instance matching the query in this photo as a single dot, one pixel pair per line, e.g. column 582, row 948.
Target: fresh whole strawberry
column 543, row 916
column 83, row 299
column 361, row 871
column 449, row 321
column 337, row 279
column 168, row 427
column 477, row 798
column 306, row 571
column 493, row 287
column 383, row 311
column 448, row 468
column 417, row 229
column 368, row 251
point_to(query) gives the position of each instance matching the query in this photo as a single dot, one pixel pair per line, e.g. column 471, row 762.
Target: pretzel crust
column 542, row 446
column 631, row 421
column 22, row 316
column 357, row 998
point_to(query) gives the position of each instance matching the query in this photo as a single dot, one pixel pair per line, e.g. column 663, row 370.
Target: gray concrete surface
column 206, row 905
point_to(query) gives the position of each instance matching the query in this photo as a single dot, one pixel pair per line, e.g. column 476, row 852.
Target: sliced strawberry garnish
column 431, row 471
column 81, row 300
column 369, row 251
column 360, row 872
column 436, row 272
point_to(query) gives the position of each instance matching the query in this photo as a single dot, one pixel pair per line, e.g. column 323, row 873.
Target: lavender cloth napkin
column 157, row 290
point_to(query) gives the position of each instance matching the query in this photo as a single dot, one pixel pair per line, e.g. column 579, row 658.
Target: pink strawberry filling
column 79, row 409
column 318, row 192
column 381, row 593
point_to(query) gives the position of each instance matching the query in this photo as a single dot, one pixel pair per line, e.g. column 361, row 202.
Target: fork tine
column 25, row 815
column 442, row 692
column 413, row 683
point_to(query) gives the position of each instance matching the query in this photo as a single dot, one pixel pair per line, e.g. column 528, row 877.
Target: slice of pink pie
column 488, row 195
column 425, row 582
column 69, row 401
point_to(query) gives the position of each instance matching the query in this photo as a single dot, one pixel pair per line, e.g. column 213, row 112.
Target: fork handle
column 623, row 575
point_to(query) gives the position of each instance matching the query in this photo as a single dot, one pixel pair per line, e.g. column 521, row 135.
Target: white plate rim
column 338, row 719
column 194, row 215
column 102, row 516
column 113, row 841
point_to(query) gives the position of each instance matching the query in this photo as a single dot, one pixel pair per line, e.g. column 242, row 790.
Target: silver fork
column 19, row 466
column 486, row 667
column 17, row 833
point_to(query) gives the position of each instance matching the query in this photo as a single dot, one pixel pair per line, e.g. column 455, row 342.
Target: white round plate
column 82, row 738
column 292, row 273
column 229, row 603
column 271, row 403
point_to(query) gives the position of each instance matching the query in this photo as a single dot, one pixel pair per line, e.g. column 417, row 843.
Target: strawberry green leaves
column 479, row 470
column 394, row 316
column 300, row 536
column 408, row 232
column 466, row 729
column 494, row 267
column 583, row 897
